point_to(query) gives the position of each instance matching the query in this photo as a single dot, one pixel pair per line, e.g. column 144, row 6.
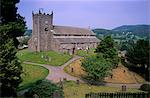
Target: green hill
column 138, row 30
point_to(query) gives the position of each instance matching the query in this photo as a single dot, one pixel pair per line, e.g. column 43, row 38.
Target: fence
column 117, row 95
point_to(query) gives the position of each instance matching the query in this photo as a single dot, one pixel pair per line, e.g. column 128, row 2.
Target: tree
column 138, row 55
column 10, row 68
column 9, row 15
column 44, row 89
column 107, row 48
column 96, row 67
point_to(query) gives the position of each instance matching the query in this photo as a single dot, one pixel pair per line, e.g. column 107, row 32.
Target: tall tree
column 107, row 48
column 10, row 68
column 138, row 55
column 96, row 67
column 12, row 25
column 9, row 14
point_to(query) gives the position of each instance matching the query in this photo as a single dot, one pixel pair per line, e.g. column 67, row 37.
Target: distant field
column 54, row 58
column 32, row 73
column 72, row 90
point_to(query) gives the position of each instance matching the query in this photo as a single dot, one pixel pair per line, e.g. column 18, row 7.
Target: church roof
column 77, row 40
column 71, row 30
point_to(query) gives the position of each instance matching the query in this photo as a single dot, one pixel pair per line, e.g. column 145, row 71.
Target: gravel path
column 56, row 73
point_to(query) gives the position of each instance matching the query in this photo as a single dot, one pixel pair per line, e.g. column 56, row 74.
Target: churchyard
column 72, row 89
column 50, row 57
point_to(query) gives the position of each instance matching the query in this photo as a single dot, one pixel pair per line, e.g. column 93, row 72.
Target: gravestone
column 111, row 76
column 71, row 69
column 35, row 96
column 78, row 82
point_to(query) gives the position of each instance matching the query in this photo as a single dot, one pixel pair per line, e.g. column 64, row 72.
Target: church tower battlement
column 47, row 36
column 42, row 24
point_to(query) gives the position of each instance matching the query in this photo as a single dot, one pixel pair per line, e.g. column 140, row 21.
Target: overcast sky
column 94, row 13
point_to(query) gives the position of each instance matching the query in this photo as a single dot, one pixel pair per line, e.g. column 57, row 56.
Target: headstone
column 49, row 59
column 64, row 79
column 78, row 82
column 35, row 96
column 46, row 58
column 111, row 76
column 71, row 69
column 124, row 71
column 42, row 56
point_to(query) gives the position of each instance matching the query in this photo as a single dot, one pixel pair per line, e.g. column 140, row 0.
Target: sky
column 106, row 14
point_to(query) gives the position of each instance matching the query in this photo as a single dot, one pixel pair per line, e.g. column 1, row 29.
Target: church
column 46, row 36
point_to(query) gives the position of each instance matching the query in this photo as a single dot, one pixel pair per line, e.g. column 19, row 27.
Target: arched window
column 46, row 29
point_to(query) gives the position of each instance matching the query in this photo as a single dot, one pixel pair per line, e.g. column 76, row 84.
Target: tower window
column 46, row 29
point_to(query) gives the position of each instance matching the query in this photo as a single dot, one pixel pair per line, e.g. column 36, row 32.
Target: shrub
column 145, row 87
column 44, row 89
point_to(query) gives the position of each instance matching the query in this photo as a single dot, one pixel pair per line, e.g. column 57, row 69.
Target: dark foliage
column 107, row 48
column 10, row 68
column 138, row 56
column 44, row 89
column 9, row 15
column 145, row 87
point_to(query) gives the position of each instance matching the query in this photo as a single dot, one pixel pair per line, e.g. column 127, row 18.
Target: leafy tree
column 9, row 15
column 138, row 55
column 96, row 67
column 107, row 48
column 44, row 89
column 10, row 68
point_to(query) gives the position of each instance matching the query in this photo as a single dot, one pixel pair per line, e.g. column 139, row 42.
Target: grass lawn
column 72, row 90
column 32, row 73
column 85, row 53
column 56, row 59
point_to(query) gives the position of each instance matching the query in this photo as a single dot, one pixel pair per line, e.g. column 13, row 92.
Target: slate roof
column 71, row 30
column 77, row 40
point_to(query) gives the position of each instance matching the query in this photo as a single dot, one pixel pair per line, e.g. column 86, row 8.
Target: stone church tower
column 46, row 36
column 41, row 35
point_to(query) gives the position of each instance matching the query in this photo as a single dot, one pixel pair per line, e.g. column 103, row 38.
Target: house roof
column 71, row 30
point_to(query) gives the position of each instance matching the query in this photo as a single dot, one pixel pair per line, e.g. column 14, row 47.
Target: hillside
column 28, row 32
column 104, row 31
column 138, row 30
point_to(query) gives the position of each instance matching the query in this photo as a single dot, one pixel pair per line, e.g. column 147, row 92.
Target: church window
column 46, row 29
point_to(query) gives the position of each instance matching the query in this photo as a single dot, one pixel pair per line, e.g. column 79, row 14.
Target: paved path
column 56, row 73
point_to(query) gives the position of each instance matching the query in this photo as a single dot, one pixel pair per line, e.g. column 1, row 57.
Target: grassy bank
column 54, row 58
column 31, row 74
